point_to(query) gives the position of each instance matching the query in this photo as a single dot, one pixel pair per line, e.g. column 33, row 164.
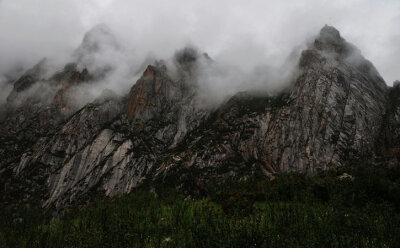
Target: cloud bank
column 245, row 35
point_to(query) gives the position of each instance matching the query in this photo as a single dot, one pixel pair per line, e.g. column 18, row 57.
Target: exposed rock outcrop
column 337, row 109
column 326, row 118
column 389, row 142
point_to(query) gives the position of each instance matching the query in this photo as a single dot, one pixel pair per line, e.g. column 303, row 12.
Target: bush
column 294, row 210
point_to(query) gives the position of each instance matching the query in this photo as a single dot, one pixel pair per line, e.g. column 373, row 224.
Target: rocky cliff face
column 336, row 109
column 388, row 145
column 326, row 118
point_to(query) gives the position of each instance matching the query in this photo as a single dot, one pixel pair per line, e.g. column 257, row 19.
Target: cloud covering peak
column 249, row 36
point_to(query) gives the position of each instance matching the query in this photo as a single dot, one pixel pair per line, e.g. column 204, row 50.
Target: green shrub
column 294, row 210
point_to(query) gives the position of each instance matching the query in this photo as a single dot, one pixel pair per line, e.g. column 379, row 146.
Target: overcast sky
column 244, row 32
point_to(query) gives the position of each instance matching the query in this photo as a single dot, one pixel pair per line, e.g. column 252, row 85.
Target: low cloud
column 250, row 43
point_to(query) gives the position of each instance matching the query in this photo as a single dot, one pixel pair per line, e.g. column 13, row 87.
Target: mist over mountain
column 106, row 124
column 199, row 123
column 112, row 68
column 242, row 38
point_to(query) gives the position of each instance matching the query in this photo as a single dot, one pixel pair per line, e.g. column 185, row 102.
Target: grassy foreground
column 293, row 210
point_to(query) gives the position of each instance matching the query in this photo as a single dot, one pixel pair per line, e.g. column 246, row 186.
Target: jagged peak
column 70, row 67
column 151, row 70
column 99, row 35
column 28, row 79
column 99, row 28
column 186, row 56
column 97, row 39
column 189, row 56
column 330, row 33
column 329, row 44
column 330, row 41
column 38, row 69
column 330, row 48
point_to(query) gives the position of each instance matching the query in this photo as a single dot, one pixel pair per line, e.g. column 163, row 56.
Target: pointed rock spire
column 98, row 37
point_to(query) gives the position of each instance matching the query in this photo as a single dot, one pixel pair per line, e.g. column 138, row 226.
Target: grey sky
column 244, row 33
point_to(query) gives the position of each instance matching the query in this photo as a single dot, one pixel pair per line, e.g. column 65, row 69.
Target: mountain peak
column 330, row 33
column 99, row 35
column 189, row 55
column 186, row 57
column 330, row 40
column 28, row 79
column 97, row 40
column 333, row 112
column 328, row 45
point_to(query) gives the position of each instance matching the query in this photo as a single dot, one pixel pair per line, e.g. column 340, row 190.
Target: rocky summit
column 54, row 152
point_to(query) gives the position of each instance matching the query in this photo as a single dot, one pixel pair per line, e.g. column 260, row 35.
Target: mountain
column 98, row 41
column 336, row 109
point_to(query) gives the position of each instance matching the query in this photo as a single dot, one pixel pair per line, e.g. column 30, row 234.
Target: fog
column 247, row 40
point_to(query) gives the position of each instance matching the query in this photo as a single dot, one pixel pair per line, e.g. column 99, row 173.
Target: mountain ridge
column 336, row 109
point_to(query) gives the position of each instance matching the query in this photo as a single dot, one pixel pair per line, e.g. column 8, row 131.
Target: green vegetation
column 294, row 210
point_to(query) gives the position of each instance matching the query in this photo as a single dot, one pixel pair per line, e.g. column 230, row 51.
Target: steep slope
column 35, row 109
column 33, row 114
column 332, row 113
column 110, row 146
column 157, row 113
column 388, row 145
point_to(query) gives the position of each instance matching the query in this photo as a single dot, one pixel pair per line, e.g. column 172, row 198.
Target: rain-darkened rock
column 331, row 114
column 337, row 109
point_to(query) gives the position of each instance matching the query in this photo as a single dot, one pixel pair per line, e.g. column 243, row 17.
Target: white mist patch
column 215, row 81
column 244, row 34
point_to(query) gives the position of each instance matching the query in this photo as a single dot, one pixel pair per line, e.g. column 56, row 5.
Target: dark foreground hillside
column 357, row 206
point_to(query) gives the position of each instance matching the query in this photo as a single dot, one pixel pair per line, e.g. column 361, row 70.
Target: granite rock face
column 122, row 148
column 331, row 114
column 388, row 145
column 337, row 109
